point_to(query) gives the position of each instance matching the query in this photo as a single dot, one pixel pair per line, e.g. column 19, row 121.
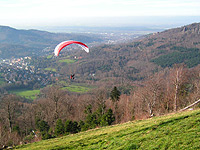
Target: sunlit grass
column 68, row 61
column 176, row 131
column 77, row 88
column 74, row 87
column 49, row 56
column 29, row 94
column 50, row 69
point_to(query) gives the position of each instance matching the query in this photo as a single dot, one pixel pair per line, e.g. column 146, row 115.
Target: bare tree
column 55, row 95
column 9, row 103
column 26, row 118
column 44, row 109
column 177, row 77
column 125, row 108
column 67, row 109
column 80, row 104
column 148, row 97
column 101, row 96
column 150, row 94
column 195, row 81
column 2, row 134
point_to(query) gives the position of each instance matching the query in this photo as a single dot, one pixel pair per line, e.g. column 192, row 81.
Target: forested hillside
column 138, row 58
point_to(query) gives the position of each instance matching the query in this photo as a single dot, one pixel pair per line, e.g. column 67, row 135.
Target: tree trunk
column 175, row 97
column 176, row 90
column 9, row 119
column 56, row 110
column 198, row 101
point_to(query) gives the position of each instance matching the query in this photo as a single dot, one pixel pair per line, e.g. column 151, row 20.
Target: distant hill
column 179, row 45
column 136, row 59
column 18, row 43
column 176, row 131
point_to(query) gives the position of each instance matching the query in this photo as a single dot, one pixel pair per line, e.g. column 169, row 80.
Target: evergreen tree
column 115, row 95
column 16, row 129
column 81, row 125
column 59, row 129
column 68, row 126
column 71, row 127
column 107, row 118
column 43, row 127
column 75, row 127
column 88, row 110
column 91, row 118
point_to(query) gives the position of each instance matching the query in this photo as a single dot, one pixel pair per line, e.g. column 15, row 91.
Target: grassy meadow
column 68, row 61
column 32, row 94
column 50, row 69
column 174, row 131
column 29, row 94
column 49, row 56
column 77, row 88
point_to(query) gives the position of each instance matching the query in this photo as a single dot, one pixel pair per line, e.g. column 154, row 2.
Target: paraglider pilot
column 72, row 76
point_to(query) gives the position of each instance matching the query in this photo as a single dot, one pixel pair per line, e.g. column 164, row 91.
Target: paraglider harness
column 72, row 76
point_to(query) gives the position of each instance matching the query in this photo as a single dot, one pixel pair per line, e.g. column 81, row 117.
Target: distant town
column 22, row 73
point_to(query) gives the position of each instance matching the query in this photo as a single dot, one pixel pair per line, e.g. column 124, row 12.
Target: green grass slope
column 29, row 94
column 175, row 131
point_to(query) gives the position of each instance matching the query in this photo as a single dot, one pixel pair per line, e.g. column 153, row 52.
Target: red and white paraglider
column 60, row 46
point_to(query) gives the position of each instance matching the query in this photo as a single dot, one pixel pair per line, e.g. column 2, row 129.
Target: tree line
column 53, row 114
column 56, row 113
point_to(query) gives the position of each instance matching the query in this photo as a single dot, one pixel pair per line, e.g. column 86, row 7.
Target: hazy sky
column 89, row 12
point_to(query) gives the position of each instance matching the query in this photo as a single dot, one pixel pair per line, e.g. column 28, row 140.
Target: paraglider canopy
column 60, row 46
